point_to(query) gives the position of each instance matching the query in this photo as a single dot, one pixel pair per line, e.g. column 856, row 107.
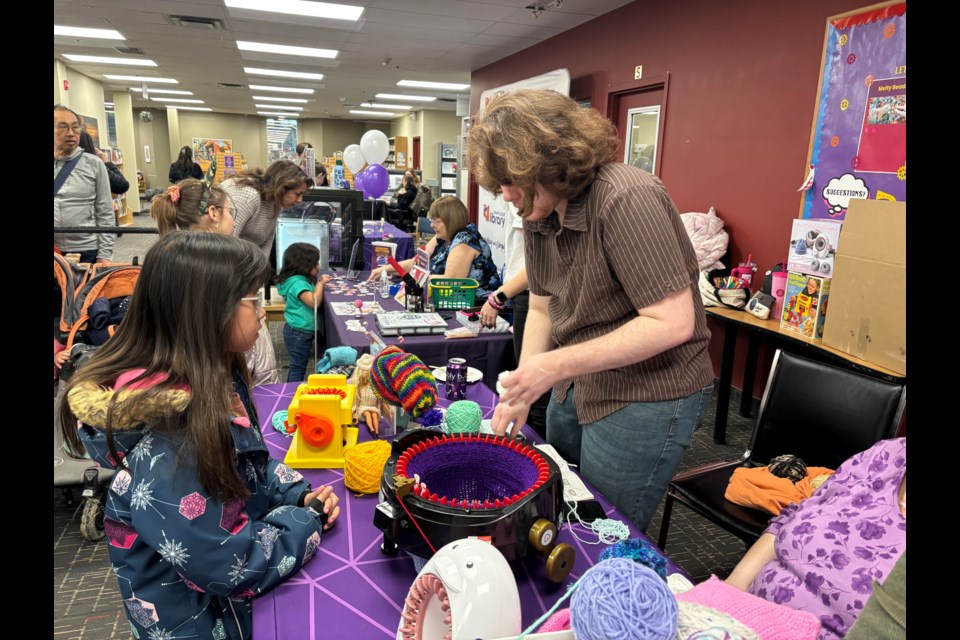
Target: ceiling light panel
column 83, row 32
column 278, row 106
column 261, row 87
column 361, row 112
column 280, row 73
column 326, row 10
column 371, row 105
column 276, row 99
column 276, row 113
column 141, row 79
column 433, row 85
column 182, row 108
column 173, row 92
column 400, row 96
column 185, row 100
column 287, row 50
column 131, row 62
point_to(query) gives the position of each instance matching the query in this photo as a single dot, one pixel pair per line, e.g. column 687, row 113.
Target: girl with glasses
column 199, row 517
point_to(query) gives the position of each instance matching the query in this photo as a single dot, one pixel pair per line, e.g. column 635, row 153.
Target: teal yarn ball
column 619, row 598
column 463, row 416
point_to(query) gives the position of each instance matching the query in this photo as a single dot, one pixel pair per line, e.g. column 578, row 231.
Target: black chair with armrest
column 818, row 412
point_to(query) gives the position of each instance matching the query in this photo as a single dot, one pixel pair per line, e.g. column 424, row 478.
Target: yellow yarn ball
column 363, row 465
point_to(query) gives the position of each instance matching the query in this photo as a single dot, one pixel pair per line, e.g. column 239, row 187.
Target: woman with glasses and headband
column 457, row 250
column 200, row 517
column 81, row 192
column 197, row 205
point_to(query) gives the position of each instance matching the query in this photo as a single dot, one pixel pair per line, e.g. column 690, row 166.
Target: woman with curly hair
column 258, row 197
column 615, row 324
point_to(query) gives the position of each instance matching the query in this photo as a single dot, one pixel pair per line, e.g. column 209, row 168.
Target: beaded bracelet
column 493, row 302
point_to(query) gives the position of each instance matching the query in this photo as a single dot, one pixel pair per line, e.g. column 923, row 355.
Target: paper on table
column 573, row 488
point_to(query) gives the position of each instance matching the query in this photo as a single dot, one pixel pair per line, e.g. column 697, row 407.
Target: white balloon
column 375, row 146
column 353, row 158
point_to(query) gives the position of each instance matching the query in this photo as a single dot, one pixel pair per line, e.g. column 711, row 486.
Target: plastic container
column 453, row 293
column 777, row 289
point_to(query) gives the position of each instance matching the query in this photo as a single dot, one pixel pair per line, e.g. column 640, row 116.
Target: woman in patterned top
column 199, row 518
column 457, row 250
column 826, row 553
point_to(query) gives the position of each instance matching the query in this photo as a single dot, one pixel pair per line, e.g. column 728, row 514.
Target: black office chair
column 819, row 412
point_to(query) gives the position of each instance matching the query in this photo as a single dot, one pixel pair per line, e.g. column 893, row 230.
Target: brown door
column 624, row 100
column 416, row 153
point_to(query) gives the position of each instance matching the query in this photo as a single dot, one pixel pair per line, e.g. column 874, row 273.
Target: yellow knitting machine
column 322, row 412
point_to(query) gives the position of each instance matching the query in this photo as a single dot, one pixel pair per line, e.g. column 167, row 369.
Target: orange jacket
column 757, row 488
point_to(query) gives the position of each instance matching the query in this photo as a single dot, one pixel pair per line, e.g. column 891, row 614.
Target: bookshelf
column 398, row 158
column 448, row 169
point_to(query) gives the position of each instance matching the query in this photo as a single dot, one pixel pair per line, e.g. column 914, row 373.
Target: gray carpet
column 87, row 604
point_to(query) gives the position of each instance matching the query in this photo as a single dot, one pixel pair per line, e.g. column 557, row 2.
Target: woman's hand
column 61, row 357
column 488, row 315
column 330, row 502
column 375, row 274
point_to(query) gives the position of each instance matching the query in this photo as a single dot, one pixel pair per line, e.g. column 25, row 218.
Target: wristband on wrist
column 493, row 302
column 316, row 506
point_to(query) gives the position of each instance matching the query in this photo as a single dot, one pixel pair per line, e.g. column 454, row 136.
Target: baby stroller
column 92, row 303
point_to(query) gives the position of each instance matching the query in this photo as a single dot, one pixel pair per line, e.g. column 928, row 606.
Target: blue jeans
column 298, row 344
column 631, row 454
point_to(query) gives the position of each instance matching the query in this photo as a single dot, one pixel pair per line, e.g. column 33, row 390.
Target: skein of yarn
column 638, row 550
column 463, row 416
column 363, row 465
column 619, row 598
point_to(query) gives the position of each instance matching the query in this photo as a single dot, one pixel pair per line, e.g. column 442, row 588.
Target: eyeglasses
column 435, row 221
column 257, row 301
column 63, row 127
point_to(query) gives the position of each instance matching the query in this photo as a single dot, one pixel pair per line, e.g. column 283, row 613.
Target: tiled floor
column 87, row 604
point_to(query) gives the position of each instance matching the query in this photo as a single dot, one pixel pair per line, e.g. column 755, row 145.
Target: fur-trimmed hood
column 90, row 402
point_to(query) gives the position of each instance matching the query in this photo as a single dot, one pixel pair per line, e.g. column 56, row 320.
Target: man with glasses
column 81, row 192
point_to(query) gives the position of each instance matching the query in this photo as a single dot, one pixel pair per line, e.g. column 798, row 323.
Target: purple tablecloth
column 349, row 589
column 491, row 353
column 372, row 233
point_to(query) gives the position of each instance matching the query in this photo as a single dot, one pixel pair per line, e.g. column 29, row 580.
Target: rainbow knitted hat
column 402, row 378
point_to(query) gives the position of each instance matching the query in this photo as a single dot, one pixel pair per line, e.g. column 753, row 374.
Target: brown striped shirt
column 621, row 247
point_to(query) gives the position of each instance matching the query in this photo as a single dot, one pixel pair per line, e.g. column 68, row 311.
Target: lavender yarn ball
column 619, row 598
column 638, row 550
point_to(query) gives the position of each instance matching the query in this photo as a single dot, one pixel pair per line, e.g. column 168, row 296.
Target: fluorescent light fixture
column 256, row 71
column 132, row 62
column 277, row 113
column 361, row 112
column 173, row 92
column 141, row 79
column 433, row 85
column 186, row 100
column 262, row 87
column 298, row 100
column 180, row 108
column 370, row 105
column 400, row 96
column 300, row 8
column 108, row 106
column 83, row 32
column 287, row 50
column 282, row 107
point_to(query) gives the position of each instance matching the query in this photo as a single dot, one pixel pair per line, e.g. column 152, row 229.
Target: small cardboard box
column 805, row 305
column 868, row 315
column 813, row 245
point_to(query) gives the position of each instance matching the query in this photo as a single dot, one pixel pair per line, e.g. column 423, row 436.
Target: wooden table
column 734, row 319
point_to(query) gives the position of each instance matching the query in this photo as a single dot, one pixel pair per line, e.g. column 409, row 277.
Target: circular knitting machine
column 438, row 488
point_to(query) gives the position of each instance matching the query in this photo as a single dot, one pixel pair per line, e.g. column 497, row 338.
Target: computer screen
column 343, row 210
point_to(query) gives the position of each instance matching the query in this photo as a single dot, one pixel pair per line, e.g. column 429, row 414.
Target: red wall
column 742, row 86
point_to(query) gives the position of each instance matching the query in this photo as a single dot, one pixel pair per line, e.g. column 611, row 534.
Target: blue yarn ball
column 638, row 550
column 619, row 598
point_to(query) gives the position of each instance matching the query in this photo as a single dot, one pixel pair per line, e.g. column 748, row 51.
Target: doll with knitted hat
column 395, row 377
column 366, row 404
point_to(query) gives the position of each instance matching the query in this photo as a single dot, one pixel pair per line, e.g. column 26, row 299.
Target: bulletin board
column 208, row 148
column 858, row 142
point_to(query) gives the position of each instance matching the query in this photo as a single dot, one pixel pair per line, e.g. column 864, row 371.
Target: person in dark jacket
column 185, row 167
column 199, row 517
column 118, row 184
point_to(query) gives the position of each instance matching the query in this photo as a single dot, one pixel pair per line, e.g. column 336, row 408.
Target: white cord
column 608, row 531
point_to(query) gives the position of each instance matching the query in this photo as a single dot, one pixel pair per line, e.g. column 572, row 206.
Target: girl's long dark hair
column 184, row 161
column 299, row 260
column 178, row 324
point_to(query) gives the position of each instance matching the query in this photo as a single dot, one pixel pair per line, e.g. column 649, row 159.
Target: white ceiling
column 435, row 40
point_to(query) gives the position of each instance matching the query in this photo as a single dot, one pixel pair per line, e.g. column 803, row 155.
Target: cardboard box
column 813, row 245
column 868, row 315
column 805, row 305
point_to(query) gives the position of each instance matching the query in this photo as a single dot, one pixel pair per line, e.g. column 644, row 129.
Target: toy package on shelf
column 813, row 244
column 805, row 304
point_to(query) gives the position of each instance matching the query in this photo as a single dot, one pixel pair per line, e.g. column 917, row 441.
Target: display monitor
column 342, row 210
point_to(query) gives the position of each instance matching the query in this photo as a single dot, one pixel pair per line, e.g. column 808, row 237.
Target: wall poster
column 858, row 143
column 208, row 148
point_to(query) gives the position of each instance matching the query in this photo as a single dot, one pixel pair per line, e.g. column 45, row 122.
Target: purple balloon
column 376, row 180
column 358, row 181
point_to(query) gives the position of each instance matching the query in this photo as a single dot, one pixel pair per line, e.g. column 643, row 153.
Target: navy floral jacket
column 189, row 564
